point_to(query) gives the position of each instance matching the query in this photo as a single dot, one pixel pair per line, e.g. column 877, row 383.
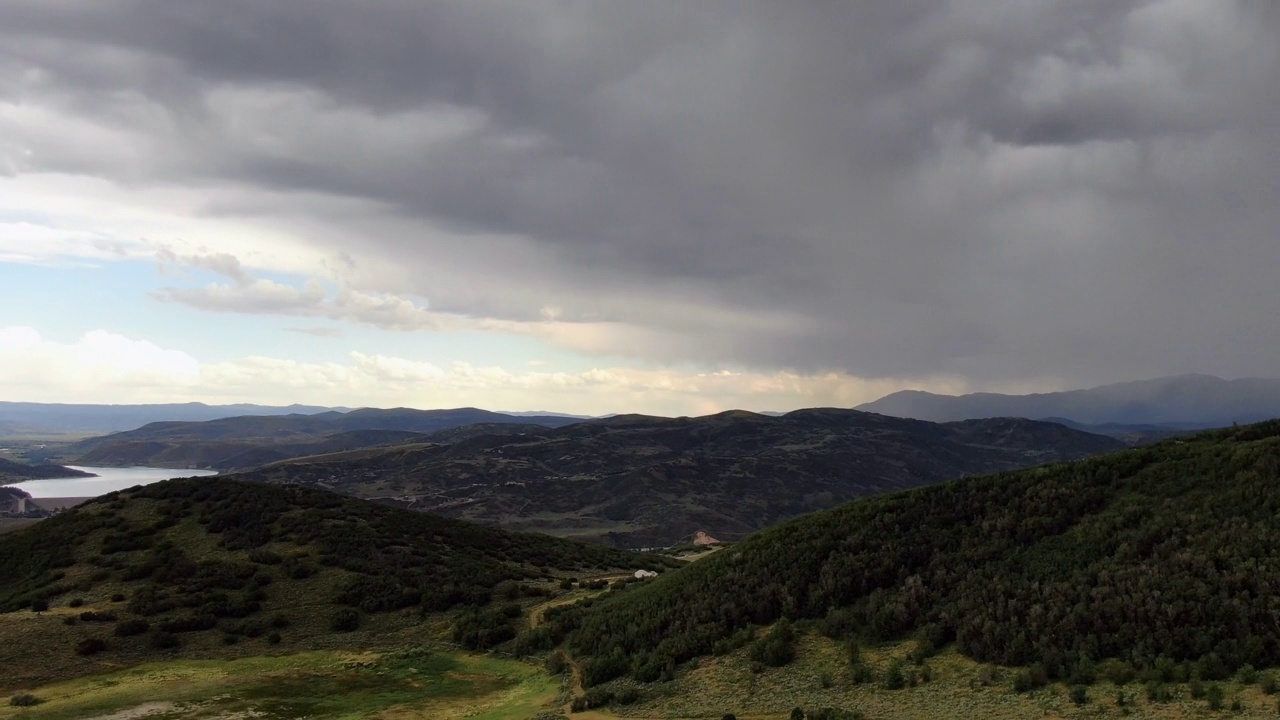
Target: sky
column 605, row 206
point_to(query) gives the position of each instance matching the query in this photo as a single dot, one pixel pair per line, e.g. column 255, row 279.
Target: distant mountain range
column 25, row 417
column 249, row 441
column 1184, row 402
column 638, row 481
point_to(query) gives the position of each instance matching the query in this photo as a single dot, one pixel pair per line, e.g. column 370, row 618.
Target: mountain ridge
column 641, row 481
column 30, row 417
column 245, row 441
column 1180, row 402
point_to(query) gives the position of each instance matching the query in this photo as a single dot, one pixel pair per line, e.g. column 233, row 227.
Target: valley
column 251, row 596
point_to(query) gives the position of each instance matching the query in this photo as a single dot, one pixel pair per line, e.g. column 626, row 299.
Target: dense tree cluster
column 1165, row 554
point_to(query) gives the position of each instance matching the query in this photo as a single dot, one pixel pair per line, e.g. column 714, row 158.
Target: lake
column 108, row 480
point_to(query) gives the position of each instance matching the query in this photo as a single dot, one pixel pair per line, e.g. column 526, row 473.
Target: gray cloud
column 1074, row 189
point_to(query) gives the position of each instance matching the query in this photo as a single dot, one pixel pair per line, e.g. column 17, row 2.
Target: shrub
column 1158, row 692
column 1079, row 694
column 24, row 700
column 627, row 696
column 90, row 646
column 98, row 616
column 1119, row 672
column 117, row 597
column 1269, row 684
column 345, row 620
column 894, row 678
column 1247, row 675
column 556, row 664
column 1214, row 695
column 274, row 638
column 1031, row 678
column 39, row 605
column 189, row 623
column 132, row 626
column 778, row 649
column 76, row 602
column 161, row 640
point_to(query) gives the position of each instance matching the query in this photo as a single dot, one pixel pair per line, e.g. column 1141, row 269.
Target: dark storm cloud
column 1081, row 189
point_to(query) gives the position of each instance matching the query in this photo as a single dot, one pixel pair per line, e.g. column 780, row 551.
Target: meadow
column 335, row 685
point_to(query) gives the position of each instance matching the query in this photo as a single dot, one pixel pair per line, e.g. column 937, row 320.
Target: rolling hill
column 1156, row 562
column 248, row 441
column 1182, row 402
column 636, row 481
column 13, row 472
column 206, row 567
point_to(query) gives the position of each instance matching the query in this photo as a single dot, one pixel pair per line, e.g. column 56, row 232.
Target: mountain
column 12, row 472
column 247, row 441
column 638, row 481
column 189, row 567
column 33, row 418
column 543, row 413
column 1158, row 560
column 1184, row 402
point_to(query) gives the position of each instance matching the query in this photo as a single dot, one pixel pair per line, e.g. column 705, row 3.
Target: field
column 322, row 684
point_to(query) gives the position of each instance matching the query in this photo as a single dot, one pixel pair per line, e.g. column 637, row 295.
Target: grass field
column 319, row 685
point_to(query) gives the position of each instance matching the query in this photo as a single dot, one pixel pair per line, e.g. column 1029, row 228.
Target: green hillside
column 205, row 567
column 1160, row 560
column 636, row 481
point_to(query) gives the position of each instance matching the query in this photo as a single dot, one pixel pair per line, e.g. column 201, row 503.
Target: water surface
column 109, row 480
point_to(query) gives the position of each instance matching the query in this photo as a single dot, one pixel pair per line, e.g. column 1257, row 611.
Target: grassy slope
column 1165, row 550
column 960, row 689
column 318, row 684
column 241, row 562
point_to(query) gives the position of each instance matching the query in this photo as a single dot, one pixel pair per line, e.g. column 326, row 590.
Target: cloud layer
column 1067, row 191
column 108, row 368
